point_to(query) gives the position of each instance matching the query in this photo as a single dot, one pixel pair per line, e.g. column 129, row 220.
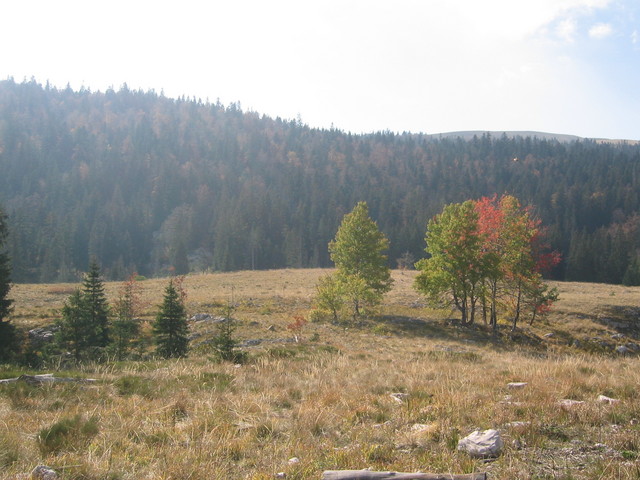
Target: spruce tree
column 8, row 337
column 170, row 328
column 96, row 305
column 75, row 329
column 85, row 316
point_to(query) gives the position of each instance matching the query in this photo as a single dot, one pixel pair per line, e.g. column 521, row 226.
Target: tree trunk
column 367, row 475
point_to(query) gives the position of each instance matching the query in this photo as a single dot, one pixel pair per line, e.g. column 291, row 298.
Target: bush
column 224, row 344
column 134, row 385
column 68, row 434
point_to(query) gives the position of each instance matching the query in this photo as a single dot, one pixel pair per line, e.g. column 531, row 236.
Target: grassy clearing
column 327, row 399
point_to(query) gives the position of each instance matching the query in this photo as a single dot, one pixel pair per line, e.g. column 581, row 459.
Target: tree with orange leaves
column 488, row 253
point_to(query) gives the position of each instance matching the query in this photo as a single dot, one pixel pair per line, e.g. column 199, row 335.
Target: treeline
column 145, row 183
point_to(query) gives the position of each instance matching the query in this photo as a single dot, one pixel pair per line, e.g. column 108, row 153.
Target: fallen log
column 368, row 475
column 45, row 379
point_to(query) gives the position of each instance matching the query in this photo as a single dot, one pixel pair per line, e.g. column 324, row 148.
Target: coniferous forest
column 146, row 183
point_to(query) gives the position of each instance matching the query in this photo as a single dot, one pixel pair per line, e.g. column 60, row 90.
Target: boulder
column 516, row 385
column 42, row 472
column 201, row 317
column 41, row 336
column 568, row 403
column 608, row 400
column 623, row 350
column 482, row 444
column 399, row 397
column 634, row 347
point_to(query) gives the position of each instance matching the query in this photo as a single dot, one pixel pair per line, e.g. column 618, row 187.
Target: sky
column 431, row 66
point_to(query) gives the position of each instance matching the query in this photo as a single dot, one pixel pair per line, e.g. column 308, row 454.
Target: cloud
column 566, row 30
column 600, row 31
column 635, row 37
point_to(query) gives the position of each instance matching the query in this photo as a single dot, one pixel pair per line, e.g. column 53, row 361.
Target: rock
column 623, row 350
column 634, row 347
column 423, row 427
column 271, row 328
column 42, row 472
column 608, row 400
column 617, row 336
column 568, row 403
column 293, row 461
column 508, row 400
column 516, row 385
column 399, row 397
column 549, row 335
column 485, row 444
column 40, row 336
column 281, row 475
column 207, row 317
column 517, row 424
column 380, row 425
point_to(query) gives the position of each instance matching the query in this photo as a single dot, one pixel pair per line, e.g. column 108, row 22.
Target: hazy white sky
column 562, row 66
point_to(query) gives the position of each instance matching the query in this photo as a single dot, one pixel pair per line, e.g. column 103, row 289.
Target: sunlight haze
column 568, row 67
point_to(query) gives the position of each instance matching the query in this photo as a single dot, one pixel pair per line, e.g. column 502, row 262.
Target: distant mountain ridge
column 560, row 137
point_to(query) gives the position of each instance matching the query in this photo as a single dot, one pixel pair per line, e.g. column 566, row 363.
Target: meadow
column 320, row 397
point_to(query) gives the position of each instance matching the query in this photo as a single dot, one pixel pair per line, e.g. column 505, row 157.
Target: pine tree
column 8, row 337
column 85, row 316
column 170, row 328
column 97, row 306
column 75, row 328
column 124, row 327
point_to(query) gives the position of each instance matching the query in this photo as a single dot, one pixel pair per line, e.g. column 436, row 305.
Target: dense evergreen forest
column 157, row 185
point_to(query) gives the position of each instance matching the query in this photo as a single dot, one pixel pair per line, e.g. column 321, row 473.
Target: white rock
column 399, row 397
column 485, row 444
column 422, row 427
column 294, row 460
column 605, row 399
column 516, row 385
column 281, row 475
column 568, row 403
column 517, row 424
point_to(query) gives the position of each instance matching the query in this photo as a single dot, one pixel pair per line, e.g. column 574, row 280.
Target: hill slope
column 157, row 185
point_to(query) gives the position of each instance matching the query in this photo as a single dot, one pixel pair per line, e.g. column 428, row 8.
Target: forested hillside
column 156, row 185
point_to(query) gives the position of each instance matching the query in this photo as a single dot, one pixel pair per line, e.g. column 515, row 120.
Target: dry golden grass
column 326, row 400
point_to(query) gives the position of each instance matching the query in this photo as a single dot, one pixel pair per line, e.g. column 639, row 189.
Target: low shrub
column 68, row 434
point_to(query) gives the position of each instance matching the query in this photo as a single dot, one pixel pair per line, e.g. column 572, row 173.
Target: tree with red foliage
column 492, row 252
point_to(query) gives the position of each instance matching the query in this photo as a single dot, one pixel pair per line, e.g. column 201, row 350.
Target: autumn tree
column 170, row 328
column 362, row 275
column 491, row 253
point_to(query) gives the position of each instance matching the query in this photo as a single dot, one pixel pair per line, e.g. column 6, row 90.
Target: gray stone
column 482, row 444
column 623, row 350
column 634, row 347
column 42, row 472
column 41, row 336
